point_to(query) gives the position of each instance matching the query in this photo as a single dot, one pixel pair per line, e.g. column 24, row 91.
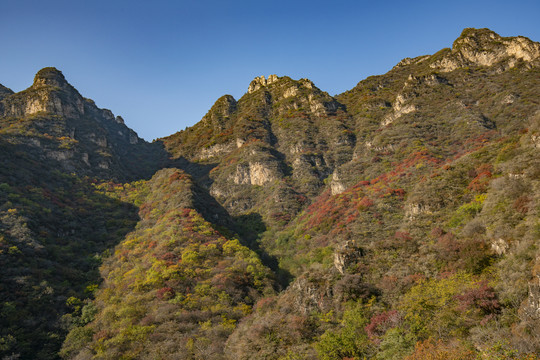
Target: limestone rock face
column 254, row 173
column 50, row 93
column 216, row 150
column 500, row 246
column 311, row 293
column 81, row 137
column 260, row 82
column 336, row 186
column 531, row 307
column 400, row 107
column 50, row 76
column 346, row 255
column 413, row 210
column 483, row 47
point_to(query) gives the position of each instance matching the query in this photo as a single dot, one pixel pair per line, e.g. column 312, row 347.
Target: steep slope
column 175, row 287
column 53, row 229
column 411, row 197
column 439, row 201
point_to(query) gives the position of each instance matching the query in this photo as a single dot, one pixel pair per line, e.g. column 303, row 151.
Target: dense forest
column 397, row 220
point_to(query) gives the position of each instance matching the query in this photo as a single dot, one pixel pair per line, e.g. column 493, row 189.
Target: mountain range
column 397, row 220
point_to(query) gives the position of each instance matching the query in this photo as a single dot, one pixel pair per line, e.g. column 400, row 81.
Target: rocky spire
column 50, row 76
column 261, row 81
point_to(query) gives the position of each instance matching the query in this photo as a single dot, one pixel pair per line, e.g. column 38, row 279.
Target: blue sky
column 162, row 64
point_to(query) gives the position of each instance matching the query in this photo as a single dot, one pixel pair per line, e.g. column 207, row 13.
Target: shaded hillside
column 53, row 229
column 56, row 148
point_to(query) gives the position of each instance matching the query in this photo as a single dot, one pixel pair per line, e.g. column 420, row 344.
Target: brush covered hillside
column 398, row 220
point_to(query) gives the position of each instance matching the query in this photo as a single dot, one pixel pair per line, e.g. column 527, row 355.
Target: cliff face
column 61, row 125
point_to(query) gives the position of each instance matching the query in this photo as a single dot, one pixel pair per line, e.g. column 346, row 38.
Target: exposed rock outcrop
column 347, row 255
column 336, row 186
column 400, row 107
column 254, row 173
column 483, row 47
column 260, row 82
column 72, row 131
column 531, row 307
column 311, row 293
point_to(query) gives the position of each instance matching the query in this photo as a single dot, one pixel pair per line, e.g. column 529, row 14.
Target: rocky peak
column 50, row 93
column 261, row 81
column 486, row 47
column 483, row 47
column 478, row 37
column 220, row 112
column 50, row 76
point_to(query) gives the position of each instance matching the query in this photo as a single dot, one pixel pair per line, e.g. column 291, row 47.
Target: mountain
column 398, row 220
column 60, row 126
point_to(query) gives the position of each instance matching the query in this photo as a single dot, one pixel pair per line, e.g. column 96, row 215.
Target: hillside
column 398, row 220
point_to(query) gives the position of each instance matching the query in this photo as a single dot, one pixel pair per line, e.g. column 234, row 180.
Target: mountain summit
column 50, row 76
column 72, row 130
column 483, row 47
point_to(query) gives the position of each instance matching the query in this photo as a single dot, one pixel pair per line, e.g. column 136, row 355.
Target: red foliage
column 381, row 323
column 482, row 178
column 168, row 256
column 265, row 303
column 165, row 293
column 448, row 246
column 482, row 298
column 403, row 236
column 177, row 175
column 522, row 204
column 281, row 217
column 437, row 232
column 185, row 212
column 144, row 210
column 365, row 203
column 399, row 192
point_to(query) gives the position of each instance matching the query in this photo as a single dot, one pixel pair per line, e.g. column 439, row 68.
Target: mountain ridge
column 286, row 224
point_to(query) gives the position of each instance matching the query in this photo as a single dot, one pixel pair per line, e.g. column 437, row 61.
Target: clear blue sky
column 162, row 64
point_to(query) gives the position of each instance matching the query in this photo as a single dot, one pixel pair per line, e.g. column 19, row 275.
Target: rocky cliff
column 54, row 120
